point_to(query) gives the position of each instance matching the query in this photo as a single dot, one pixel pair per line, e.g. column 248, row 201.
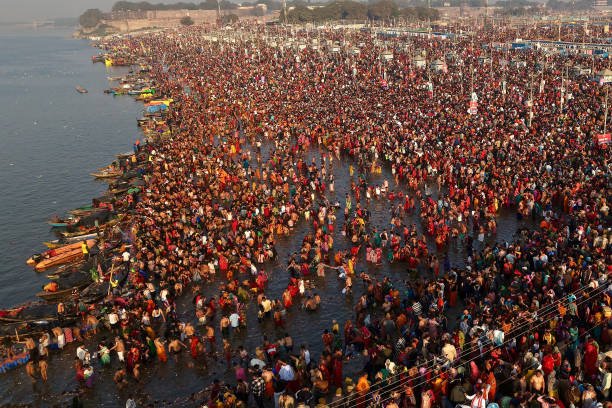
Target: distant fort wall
column 125, row 21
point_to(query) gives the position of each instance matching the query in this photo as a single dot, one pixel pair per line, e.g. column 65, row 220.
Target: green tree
column 382, row 10
column 229, row 19
column 420, row 13
column 271, row 4
column 300, row 14
column 187, row 21
column 343, row 10
column 258, row 11
column 90, row 18
column 573, row 5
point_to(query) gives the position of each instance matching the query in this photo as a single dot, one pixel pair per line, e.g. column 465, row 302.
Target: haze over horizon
column 19, row 11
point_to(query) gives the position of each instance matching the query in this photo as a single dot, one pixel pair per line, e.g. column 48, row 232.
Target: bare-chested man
column 175, row 347
column 189, row 330
column 120, row 348
column 537, row 383
column 120, row 378
column 31, row 370
column 224, row 324
column 42, row 365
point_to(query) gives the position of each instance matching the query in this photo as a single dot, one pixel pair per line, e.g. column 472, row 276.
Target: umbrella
column 255, row 362
column 286, row 373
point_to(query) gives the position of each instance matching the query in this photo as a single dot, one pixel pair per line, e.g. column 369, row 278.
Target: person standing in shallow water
column 119, row 347
column 42, row 366
column 160, row 350
column 31, row 370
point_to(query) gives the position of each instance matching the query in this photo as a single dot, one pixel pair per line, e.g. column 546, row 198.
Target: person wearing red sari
column 132, row 359
column 193, row 346
column 591, row 351
column 337, row 369
column 489, row 379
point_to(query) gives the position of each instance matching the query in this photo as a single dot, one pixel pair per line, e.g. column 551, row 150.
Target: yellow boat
column 52, row 245
column 166, row 102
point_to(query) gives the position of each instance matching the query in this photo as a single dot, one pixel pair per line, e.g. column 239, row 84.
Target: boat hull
column 59, row 256
column 60, row 294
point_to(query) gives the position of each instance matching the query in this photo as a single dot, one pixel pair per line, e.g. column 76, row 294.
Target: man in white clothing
column 479, row 399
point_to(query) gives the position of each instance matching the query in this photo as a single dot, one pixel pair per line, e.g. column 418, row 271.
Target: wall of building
column 132, row 21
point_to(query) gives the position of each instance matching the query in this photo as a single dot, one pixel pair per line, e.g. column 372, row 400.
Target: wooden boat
column 42, row 263
column 28, row 313
column 16, row 361
column 118, row 191
column 11, row 315
column 84, row 213
column 80, row 89
column 107, row 174
column 80, row 232
column 95, row 291
column 71, row 268
column 53, row 244
column 57, row 251
column 86, row 232
column 123, row 156
column 52, row 259
column 56, row 243
column 85, row 207
column 60, row 294
column 144, row 96
column 66, row 269
column 57, row 222
column 65, row 258
column 84, row 237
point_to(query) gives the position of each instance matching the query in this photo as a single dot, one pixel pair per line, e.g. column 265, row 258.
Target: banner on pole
column 603, row 139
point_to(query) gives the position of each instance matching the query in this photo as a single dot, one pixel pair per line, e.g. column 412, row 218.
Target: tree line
column 301, row 12
column 353, row 10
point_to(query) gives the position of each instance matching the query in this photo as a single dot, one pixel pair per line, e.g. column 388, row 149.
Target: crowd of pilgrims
column 255, row 149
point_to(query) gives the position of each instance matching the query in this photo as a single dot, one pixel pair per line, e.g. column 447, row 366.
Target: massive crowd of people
column 260, row 125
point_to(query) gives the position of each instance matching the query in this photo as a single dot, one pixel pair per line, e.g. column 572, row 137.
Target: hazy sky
column 29, row 10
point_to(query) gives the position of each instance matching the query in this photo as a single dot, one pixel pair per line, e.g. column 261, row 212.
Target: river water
column 51, row 139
